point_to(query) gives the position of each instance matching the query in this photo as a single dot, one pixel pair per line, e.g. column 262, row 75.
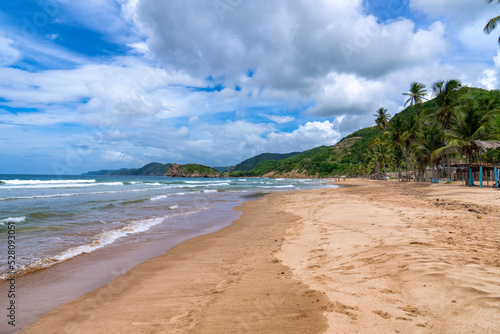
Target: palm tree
column 421, row 156
column 416, row 95
column 374, row 153
column 492, row 24
column 411, row 128
column 396, row 129
column 445, row 94
column 428, row 140
column 475, row 120
column 382, row 121
column 395, row 132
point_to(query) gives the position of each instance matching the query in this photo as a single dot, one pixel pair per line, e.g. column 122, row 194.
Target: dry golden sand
column 381, row 257
column 400, row 257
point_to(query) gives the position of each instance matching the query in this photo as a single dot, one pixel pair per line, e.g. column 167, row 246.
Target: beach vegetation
column 474, row 120
column 382, row 121
column 446, row 94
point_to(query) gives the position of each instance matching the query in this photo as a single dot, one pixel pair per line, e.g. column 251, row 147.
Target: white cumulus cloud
column 8, row 54
column 117, row 156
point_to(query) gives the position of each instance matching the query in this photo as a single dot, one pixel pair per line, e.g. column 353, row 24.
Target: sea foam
column 34, row 182
column 160, row 197
column 13, row 220
column 103, row 239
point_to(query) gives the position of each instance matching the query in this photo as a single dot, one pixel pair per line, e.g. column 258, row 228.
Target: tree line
column 451, row 125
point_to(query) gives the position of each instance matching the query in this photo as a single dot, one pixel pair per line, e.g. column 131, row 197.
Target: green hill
column 159, row 169
column 319, row 162
column 191, row 170
column 251, row 163
column 153, row 169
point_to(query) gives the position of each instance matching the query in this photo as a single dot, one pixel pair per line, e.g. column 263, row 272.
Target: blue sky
column 103, row 84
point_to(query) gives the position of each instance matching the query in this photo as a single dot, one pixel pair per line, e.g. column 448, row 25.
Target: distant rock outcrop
column 192, row 170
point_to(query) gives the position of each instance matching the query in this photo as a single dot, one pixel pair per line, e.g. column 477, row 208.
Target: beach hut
column 486, row 174
column 482, row 172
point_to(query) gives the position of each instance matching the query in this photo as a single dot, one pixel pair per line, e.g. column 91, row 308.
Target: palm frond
column 491, row 25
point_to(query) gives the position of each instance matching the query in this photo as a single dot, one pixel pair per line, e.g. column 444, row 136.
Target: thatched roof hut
column 487, row 145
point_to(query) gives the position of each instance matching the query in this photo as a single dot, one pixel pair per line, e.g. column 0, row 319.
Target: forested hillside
column 424, row 134
column 251, row 163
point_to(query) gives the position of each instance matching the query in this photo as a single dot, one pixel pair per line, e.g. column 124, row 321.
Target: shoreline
column 378, row 257
column 43, row 290
column 212, row 283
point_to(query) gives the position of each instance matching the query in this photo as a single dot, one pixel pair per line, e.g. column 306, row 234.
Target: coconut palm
column 382, row 121
column 374, row 153
column 492, row 24
column 416, row 95
column 411, row 128
column 395, row 139
column 428, row 140
column 474, row 120
column 445, row 94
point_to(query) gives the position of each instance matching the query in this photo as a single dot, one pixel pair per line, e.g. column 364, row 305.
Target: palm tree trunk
column 381, row 154
column 406, row 160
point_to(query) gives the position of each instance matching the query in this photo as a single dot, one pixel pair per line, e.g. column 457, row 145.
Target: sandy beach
column 375, row 257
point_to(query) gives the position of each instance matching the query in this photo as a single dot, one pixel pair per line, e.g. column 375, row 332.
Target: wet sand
column 381, row 257
column 225, row 282
column 42, row 291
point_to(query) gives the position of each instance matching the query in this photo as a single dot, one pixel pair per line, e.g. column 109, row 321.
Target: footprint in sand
column 411, row 311
column 342, row 309
column 383, row 314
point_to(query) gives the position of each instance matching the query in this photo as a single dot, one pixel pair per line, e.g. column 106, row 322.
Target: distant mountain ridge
column 251, row 163
column 159, row 169
column 223, row 169
column 151, row 169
